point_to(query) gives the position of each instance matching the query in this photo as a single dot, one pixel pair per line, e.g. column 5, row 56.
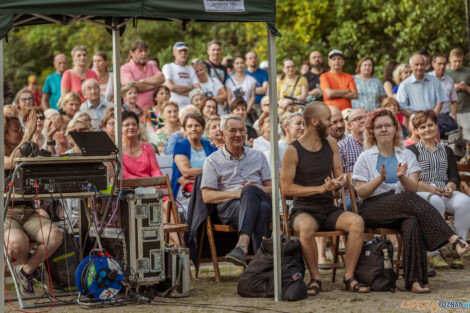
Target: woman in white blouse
column 386, row 179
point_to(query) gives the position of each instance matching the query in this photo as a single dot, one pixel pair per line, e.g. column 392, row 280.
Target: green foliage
column 381, row 29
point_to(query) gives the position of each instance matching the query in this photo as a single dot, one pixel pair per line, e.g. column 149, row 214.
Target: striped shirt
column 420, row 96
column 433, row 165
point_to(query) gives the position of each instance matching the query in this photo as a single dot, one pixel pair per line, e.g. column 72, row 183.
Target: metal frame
column 274, row 155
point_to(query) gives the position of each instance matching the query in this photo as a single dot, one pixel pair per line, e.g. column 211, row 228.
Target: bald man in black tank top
column 306, row 171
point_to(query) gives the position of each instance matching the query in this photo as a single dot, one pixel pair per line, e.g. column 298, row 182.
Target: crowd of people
column 213, row 117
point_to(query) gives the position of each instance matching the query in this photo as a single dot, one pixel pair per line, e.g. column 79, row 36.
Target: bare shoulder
column 333, row 143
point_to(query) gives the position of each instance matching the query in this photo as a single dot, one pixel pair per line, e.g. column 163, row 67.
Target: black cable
column 215, row 306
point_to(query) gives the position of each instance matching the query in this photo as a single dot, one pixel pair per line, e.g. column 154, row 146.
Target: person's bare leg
column 321, row 244
column 243, row 242
column 18, row 246
column 306, row 226
column 55, row 240
column 353, row 225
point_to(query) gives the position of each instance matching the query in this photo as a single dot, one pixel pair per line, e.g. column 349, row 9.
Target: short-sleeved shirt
column 131, row 73
column 286, row 88
column 52, row 88
column 313, row 80
column 365, row 168
column 261, row 77
column 369, row 92
column 96, row 113
column 447, row 84
column 420, row 96
column 340, row 81
column 222, row 172
column 73, row 82
column 462, row 75
column 180, row 75
column 349, row 150
column 247, row 87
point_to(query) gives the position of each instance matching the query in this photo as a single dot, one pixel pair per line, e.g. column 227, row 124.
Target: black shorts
column 326, row 218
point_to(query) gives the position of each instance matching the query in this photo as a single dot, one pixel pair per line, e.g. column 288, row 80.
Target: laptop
column 94, row 143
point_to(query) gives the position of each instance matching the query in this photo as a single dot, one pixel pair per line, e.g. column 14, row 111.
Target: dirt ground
column 209, row 296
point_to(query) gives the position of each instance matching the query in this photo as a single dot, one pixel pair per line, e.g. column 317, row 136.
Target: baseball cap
column 180, row 45
column 264, row 65
column 335, row 52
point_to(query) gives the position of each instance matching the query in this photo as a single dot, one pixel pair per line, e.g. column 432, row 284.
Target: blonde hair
column 73, row 122
column 126, row 87
column 398, row 71
column 67, row 98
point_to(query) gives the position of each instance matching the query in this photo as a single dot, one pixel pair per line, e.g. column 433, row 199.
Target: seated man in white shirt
column 238, row 180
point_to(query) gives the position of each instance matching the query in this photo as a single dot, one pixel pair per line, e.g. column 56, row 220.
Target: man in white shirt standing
column 179, row 77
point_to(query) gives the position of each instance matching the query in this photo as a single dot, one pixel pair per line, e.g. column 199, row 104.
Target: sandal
column 317, row 289
column 356, row 288
column 463, row 244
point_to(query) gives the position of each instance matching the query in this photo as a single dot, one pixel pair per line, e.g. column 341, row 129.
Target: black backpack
column 375, row 265
column 257, row 279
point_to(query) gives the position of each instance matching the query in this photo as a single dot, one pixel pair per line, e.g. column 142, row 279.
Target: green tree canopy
column 382, row 29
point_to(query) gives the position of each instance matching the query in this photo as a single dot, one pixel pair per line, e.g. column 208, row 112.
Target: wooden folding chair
column 164, row 183
column 382, row 231
column 332, row 237
column 209, row 228
column 464, row 174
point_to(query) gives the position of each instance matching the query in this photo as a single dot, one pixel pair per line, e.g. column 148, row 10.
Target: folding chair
column 382, row 231
column 332, row 236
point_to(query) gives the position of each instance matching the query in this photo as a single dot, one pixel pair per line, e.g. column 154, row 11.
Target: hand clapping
column 401, row 169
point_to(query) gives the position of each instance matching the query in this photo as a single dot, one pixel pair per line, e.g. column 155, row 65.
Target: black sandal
column 356, row 287
column 317, row 289
column 462, row 243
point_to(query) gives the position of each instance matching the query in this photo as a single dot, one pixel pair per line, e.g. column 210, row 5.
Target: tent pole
column 2, row 184
column 274, row 158
column 117, row 90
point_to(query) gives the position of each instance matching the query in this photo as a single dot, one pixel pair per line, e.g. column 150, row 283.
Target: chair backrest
column 161, row 181
column 464, row 172
column 165, row 162
column 352, row 193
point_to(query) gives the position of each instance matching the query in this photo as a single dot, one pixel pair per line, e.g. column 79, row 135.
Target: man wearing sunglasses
column 179, row 77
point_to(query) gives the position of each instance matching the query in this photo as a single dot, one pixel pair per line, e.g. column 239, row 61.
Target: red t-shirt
column 73, row 82
column 337, row 81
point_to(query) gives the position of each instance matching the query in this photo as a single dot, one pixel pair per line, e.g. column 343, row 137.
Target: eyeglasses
column 359, row 118
column 380, row 127
column 41, row 117
column 27, row 99
column 82, row 129
column 196, row 62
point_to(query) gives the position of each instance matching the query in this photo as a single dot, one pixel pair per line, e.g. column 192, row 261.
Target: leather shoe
column 236, row 256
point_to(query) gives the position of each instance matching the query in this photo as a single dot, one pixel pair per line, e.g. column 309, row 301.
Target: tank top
column 312, row 170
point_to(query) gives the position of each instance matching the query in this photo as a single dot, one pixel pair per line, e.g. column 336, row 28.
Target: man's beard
column 141, row 61
column 317, row 66
column 322, row 130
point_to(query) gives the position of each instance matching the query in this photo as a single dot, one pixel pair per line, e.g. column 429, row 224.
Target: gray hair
column 78, row 48
column 411, row 58
column 185, row 110
column 89, row 80
column 228, row 117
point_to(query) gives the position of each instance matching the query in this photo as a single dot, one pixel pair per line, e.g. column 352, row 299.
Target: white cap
column 264, row 65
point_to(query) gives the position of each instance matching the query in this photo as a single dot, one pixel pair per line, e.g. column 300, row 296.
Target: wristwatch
column 51, row 143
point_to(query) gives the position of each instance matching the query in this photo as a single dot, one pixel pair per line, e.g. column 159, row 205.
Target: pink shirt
column 74, row 82
column 130, row 72
column 145, row 165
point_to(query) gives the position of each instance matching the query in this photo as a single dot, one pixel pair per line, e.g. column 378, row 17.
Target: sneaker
column 436, row 261
column 237, row 257
column 457, row 263
column 26, row 281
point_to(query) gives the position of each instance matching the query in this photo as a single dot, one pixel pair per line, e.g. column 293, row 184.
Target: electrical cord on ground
column 215, row 306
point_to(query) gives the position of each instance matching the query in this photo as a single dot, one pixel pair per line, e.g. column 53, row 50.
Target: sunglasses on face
column 41, row 117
